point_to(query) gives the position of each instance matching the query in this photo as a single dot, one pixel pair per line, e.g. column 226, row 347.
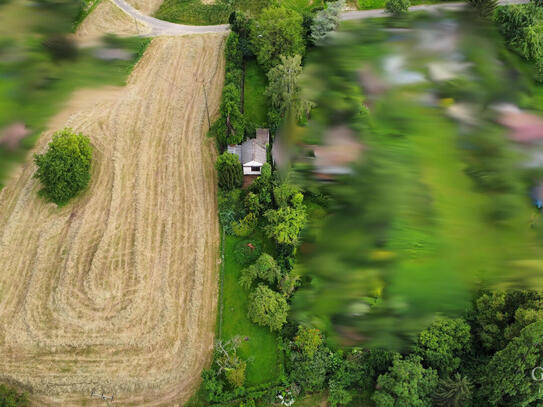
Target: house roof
column 340, row 149
column 525, row 127
column 252, row 152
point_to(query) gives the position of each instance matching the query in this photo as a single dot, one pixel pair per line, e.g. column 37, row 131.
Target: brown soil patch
column 117, row 291
column 107, row 18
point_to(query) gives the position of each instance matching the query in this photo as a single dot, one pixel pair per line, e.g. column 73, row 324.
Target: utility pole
column 207, row 108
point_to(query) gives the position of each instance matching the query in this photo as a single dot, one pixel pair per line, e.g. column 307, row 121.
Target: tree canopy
column 64, row 170
column 230, row 171
column 406, row 383
column 285, row 224
column 277, row 31
column 443, row 344
column 267, row 308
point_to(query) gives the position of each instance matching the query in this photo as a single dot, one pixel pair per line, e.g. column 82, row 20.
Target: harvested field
column 107, row 18
column 117, row 291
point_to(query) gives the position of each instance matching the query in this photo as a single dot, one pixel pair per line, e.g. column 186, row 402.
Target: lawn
column 260, row 348
column 376, row 4
column 255, row 101
column 197, row 13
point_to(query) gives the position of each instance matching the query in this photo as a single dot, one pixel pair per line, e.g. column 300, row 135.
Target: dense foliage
column 229, row 171
column 64, row 170
column 277, row 31
column 267, row 308
column 397, row 7
column 522, row 27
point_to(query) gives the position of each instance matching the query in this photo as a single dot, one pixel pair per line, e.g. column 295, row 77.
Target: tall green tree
column 277, row 31
column 230, row 128
column 267, row 308
column 444, row 343
column 283, row 88
column 64, row 170
column 507, row 380
column 229, row 170
column 405, row 384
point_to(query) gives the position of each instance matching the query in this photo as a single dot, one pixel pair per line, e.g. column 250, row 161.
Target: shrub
column 230, row 171
column 267, row 308
column 64, row 170
column 308, row 340
column 265, row 268
column 285, row 224
column 247, row 251
column 244, row 227
column 9, row 397
column 397, row 7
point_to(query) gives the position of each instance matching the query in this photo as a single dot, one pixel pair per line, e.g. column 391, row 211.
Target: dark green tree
column 453, row 391
column 499, row 316
column 265, row 268
column 444, row 343
column 309, row 373
column 267, row 308
column 229, row 170
column 508, row 380
column 406, row 383
column 64, row 170
column 397, row 7
column 230, row 128
column 277, row 31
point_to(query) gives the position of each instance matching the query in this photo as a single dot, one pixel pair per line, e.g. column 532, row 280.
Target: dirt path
column 117, row 291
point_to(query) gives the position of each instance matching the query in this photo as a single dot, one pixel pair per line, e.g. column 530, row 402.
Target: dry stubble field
column 117, row 291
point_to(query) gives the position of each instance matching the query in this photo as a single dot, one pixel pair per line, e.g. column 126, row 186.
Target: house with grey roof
column 252, row 152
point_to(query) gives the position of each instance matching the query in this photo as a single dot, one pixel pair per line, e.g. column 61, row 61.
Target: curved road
column 160, row 27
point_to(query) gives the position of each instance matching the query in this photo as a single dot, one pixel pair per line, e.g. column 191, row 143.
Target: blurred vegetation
column 40, row 67
column 434, row 209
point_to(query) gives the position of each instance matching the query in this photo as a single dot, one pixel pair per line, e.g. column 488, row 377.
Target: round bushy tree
column 277, row 31
column 397, row 7
column 229, row 171
column 64, row 170
column 444, row 343
column 267, row 308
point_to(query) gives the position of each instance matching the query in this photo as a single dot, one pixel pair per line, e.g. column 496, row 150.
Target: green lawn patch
column 197, row 13
column 255, row 101
column 261, row 346
column 377, row 4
